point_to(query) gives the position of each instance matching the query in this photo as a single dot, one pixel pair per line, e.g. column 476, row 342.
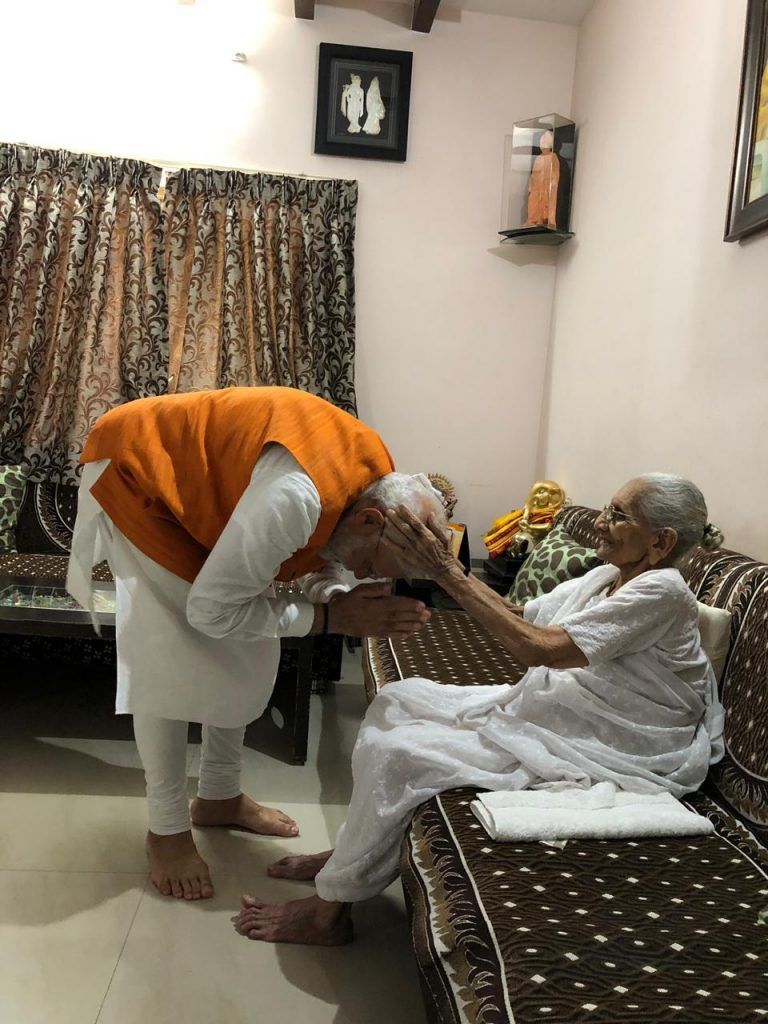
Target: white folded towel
column 600, row 812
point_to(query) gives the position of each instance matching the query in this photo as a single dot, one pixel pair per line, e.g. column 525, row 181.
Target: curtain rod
column 171, row 165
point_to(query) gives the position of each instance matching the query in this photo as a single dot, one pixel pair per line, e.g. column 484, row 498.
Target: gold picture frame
column 748, row 207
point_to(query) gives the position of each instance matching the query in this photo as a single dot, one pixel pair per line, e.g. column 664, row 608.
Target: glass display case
column 47, row 609
column 538, row 179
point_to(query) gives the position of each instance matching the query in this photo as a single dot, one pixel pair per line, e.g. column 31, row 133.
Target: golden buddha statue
column 522, row 529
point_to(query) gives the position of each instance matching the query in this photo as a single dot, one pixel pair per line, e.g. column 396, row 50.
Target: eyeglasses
column 614, row 515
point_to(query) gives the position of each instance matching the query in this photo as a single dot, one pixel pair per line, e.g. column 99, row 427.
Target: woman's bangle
column 325, row 619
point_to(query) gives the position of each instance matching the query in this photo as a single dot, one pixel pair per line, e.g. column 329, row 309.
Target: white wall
column 660, row 335
column 451, row 339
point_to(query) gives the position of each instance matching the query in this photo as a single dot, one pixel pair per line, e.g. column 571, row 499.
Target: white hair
column 668, row 501
column 415, row 492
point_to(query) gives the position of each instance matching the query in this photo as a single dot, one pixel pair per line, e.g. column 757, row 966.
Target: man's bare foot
column 242, row 812
column 311, row 922
column 301, row 868
column 176, row 868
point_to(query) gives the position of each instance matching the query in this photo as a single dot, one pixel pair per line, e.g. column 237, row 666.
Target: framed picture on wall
column 363, row 98
column 748, row 210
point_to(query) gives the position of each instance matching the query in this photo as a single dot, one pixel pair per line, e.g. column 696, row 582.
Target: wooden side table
column 47, row 612
column 292, row 692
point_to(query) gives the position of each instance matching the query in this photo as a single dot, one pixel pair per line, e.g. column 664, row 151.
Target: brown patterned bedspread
column 652, row 931
column 451, row 648
column 45, row 567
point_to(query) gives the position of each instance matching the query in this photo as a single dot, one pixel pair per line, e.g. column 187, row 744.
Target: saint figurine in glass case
column 538, row 174
column 543, row 185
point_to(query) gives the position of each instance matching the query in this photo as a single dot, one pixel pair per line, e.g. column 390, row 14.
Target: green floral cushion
column 556, row 559
column 11, row 497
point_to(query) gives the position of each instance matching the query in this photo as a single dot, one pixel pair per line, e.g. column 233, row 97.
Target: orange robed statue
column 543, row 186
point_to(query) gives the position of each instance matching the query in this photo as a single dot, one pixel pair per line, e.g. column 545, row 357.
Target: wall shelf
column 534, row 236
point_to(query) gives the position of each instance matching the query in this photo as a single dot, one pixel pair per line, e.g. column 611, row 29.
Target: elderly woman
column 618, row 689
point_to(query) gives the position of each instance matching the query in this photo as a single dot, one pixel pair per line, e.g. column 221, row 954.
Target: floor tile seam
column 72, row 871
column 122, row 950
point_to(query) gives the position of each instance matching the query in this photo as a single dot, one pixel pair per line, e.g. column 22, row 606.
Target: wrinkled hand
column 427, row 546
column 371, row 610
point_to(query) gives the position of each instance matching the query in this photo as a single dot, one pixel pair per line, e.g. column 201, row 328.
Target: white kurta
column 643, row 714
column 207, row 652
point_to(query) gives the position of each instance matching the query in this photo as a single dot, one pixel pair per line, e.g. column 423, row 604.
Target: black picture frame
column 351, row 119
column 747, row 215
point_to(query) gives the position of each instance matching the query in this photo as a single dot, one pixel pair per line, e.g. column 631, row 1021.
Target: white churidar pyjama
column 162, row 746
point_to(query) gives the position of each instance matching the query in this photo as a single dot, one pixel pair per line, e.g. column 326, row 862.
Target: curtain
column 261, row 282
column 83, row 309
column 115, row 286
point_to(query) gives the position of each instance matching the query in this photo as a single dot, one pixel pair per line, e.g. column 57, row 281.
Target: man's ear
column 365, row 521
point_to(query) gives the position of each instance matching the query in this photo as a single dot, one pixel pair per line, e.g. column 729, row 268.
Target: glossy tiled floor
column 85, row 940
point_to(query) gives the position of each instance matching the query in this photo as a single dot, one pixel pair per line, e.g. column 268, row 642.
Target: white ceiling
column 568, row 12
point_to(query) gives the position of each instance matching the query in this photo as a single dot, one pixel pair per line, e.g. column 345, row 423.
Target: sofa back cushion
column 726, row 579
column 579, row 521
column 11, row 498
column 715, row 631
column 46, row 519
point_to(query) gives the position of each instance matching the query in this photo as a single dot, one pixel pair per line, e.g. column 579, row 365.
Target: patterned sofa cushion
column 725, row 579
column 11, row 497
column 451, row 648
column 579, row 521
column 650, row 931
column 46, row 519
column 555, row 559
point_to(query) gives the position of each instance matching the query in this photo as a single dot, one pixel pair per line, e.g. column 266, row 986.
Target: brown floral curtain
column 261, row 282
column 110, row 293
column 83, row 310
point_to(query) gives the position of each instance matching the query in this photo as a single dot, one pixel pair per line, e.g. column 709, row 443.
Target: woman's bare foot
column 311, row 922
column 176, row 868
column 302, row 868
column 242, row 812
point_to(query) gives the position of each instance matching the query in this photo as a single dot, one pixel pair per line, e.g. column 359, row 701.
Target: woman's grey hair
column 665, row 500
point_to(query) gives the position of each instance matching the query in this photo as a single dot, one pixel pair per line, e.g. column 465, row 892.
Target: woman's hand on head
column 425, row 545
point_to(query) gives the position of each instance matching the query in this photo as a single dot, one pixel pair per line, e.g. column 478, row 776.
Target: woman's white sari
column 643, row 714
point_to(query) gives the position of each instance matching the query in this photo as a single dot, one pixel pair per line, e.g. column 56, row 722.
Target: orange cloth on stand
column 180, row 463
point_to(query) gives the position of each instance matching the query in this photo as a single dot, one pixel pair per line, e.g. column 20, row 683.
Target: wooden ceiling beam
column 424, row 12
column 304, row 9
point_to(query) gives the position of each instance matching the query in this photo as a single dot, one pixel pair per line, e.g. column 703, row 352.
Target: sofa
column 651, row 931
column 37, row 551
